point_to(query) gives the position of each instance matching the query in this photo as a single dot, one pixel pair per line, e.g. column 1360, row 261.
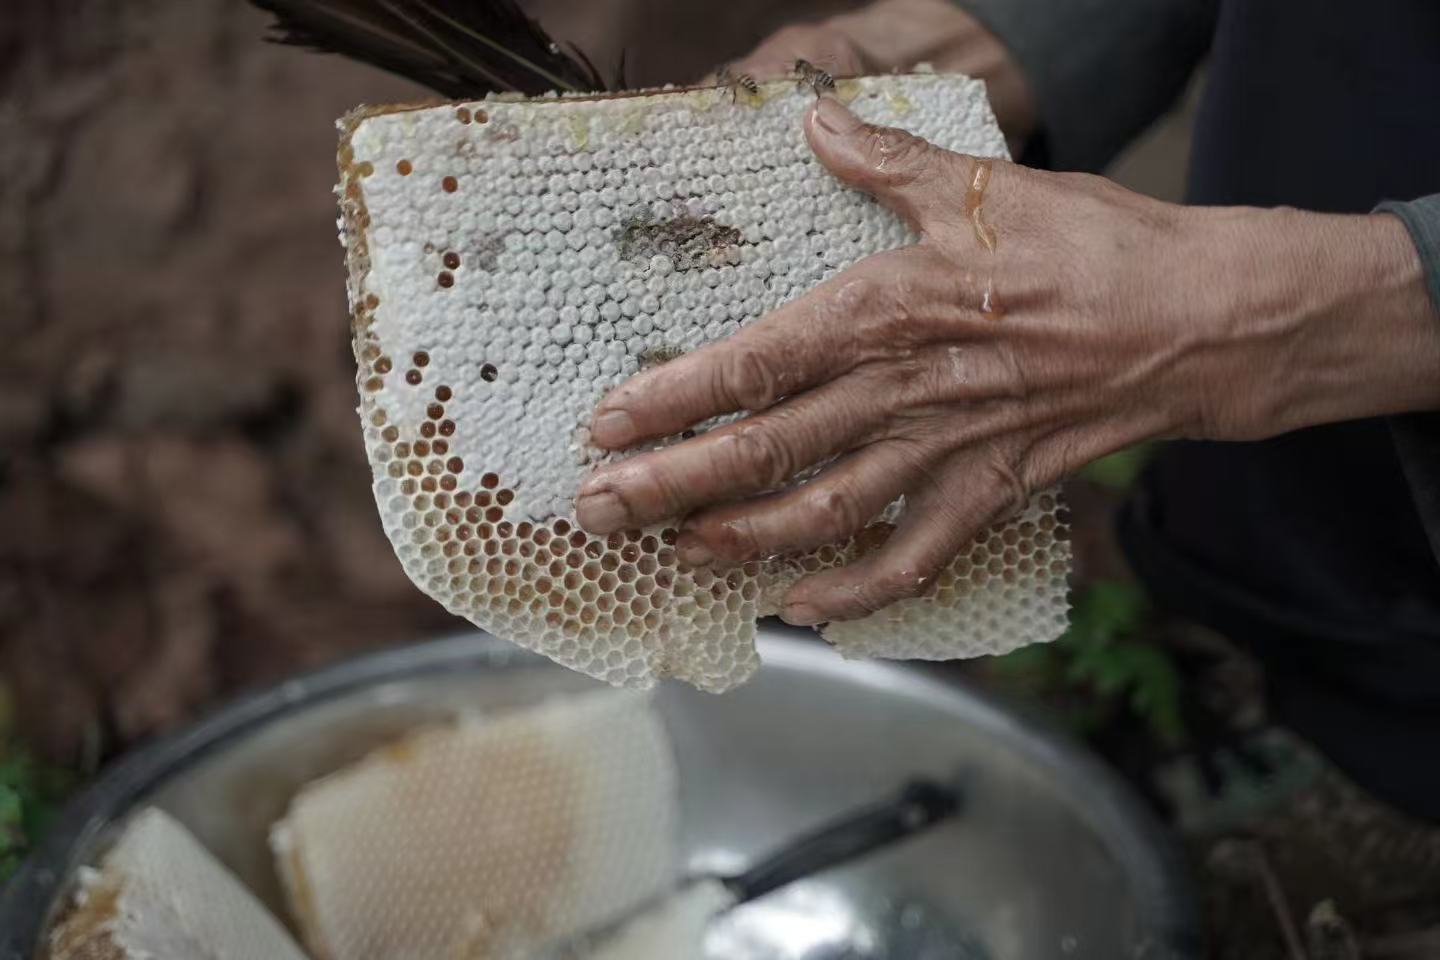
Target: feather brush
column 459, row 48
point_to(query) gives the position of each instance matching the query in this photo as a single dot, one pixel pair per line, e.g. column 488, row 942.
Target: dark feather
column 621, row 81
column 460, row 48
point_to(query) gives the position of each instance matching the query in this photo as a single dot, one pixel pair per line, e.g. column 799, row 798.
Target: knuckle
column 890, row 584
column 649, row 491
column 1010, row 490
column 906, row 583
column 665, row 496
column 855, row 296
column 911, row 383
column 735, row 538
column 897, row 157
column 747, row 381
column 834, row 511
column 894, row 295
column 756, row 458
column 895, row 311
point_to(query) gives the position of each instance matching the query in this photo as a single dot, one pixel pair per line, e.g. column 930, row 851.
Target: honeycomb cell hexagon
column 506, row 272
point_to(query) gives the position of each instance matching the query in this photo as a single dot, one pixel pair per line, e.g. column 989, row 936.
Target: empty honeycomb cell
column 569, row 264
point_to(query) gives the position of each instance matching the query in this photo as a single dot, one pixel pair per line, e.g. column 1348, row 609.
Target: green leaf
column 30, row 794
column 1107, row 610
column 1119, row 470
column 11, row 807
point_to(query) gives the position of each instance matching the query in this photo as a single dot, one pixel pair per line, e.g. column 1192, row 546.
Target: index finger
column 809, row 340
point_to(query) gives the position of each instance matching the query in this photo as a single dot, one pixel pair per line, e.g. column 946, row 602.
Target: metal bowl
column 1052, row 858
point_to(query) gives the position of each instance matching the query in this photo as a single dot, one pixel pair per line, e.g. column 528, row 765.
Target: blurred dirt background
column 184, row 502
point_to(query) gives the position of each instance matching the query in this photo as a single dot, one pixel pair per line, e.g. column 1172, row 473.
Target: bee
column 808, row 75
column 736, row 82
column 655, row 356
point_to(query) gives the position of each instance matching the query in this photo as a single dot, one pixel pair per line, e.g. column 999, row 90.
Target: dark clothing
column 1316, row 540
column 1319, row 549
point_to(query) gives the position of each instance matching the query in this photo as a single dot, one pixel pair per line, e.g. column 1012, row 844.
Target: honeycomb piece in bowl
column 484, row 838
column 512, row 260
column 159, row 895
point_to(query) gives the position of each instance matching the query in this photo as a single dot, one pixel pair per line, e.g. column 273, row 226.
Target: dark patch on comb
column 690, row 242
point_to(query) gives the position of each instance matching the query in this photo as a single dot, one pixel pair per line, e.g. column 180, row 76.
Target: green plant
column 1103, row 664
column 1119, row 470
column 30, row 792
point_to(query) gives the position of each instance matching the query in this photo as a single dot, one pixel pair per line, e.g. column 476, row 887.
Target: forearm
column 1338, row 308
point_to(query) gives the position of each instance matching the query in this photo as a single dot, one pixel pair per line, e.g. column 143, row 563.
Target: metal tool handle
column 921, row 805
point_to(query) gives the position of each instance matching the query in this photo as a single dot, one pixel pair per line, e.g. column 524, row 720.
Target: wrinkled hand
column 1058, row 320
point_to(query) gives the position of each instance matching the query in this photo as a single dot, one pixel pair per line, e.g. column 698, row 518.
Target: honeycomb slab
column 160, row 895
column 512, row 260
column 486, row 838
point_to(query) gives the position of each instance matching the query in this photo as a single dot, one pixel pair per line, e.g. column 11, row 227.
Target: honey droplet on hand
column 974, row 199
column 990, row 300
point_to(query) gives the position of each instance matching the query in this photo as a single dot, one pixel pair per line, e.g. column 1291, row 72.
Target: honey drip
column 984, row 233
column 974, row 198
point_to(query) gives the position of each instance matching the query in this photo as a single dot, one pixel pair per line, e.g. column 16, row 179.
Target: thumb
column 910, row 175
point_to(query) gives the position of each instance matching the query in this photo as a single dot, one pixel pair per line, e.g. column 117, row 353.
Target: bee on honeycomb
column 806, row 74
column 737, row 83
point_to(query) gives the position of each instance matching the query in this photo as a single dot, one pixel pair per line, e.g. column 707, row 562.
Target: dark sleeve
column 1100, row 70
column 1417, row 436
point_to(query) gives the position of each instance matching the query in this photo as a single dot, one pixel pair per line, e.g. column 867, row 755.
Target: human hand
column 1042, row 320
column 886, row 36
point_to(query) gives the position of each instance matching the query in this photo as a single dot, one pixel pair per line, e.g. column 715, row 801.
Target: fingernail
column 692, row 550
column 601, row 512
column 832, row 115
column 800, row 614
column 613, row 429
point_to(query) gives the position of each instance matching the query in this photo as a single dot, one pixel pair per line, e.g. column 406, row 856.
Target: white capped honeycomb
column 510, row 261
column 485, row 838
column 160, row 895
